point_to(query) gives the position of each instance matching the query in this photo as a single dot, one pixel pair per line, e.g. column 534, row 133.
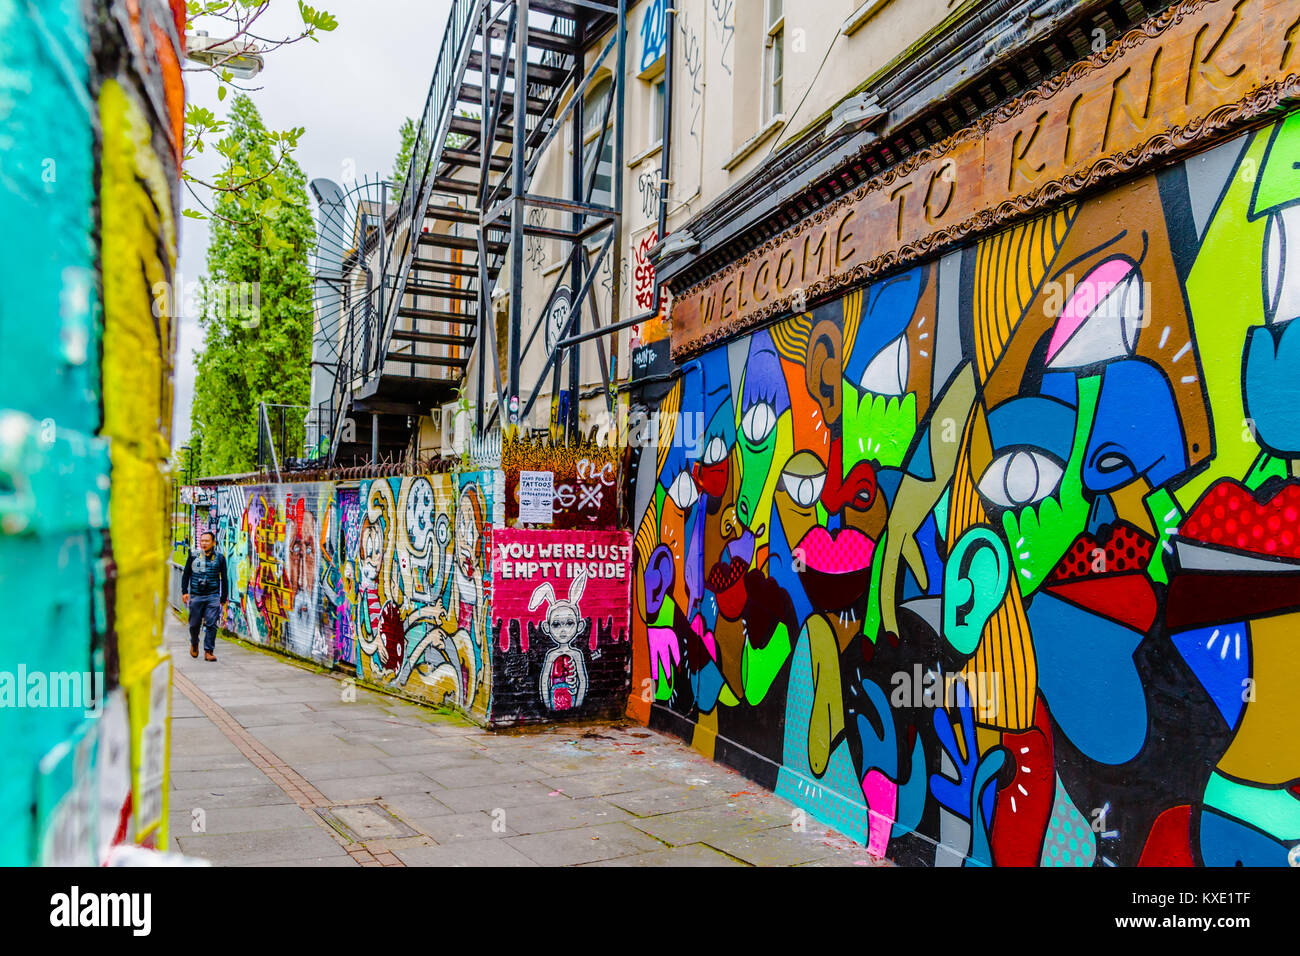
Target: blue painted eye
column 1019, row 478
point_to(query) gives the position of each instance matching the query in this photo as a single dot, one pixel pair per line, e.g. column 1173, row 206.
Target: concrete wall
column 91, row 106
column 395, row 580
column 996, row 560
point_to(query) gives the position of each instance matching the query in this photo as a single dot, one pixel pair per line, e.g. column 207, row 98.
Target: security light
column 242, row 58
column 858, row 112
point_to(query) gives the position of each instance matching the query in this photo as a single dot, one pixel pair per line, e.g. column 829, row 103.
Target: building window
column 656, row 113
column 600, row 168
column 774, row 60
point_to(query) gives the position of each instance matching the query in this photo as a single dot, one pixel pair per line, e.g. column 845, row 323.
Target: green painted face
column 1041, row 533
column 877, row 428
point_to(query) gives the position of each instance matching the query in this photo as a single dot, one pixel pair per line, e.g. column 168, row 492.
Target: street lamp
column 243, row 58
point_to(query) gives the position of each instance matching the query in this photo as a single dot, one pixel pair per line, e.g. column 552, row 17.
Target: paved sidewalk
column 271, row 767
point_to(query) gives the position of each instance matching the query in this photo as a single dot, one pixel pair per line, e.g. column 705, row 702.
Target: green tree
column 256, row 301
column 402, row 161
column 225, row 39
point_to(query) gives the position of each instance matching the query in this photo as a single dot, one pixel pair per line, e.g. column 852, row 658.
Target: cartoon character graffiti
column 563, row 683
column 419, row 604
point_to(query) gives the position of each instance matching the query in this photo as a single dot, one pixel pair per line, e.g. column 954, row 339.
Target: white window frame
column 589, row 137
column 658, row 103
column 773, row 57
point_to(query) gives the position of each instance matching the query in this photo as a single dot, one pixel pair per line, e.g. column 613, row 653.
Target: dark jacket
column 203, row 577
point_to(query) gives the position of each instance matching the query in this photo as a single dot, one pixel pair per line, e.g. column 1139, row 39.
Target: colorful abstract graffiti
column 91, row 111
column 560, row 603
column 422, row 584
column 399, row 581
column 279, row 545
column 996, row 561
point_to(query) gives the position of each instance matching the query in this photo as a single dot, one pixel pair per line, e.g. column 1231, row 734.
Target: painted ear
column 577, row 587
column 976, row 579
column 542, row 594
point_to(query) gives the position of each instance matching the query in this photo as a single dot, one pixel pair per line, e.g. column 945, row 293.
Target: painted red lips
column 1112, row 584
column 1127, row 548
column 1228, row 515
column 727, row 582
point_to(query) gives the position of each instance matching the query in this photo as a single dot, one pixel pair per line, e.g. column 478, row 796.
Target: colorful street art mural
column 560, row 603
column 278, row 543
column 391, row 577
column 423, row 582
column 585, row 476
column 413, row 584
column 996, row 560
column 91, row 107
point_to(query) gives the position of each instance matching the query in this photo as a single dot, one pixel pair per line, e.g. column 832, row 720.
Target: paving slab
column 667, row 799
column 563, row 814
column 262, row 795
column 262, row 846
column 474, row 827
column 775, row 847
column 604, row 782
column 476, row 853
column 498, row 795
column 696, row 854
column 224, row 820
column 584, row 845
column 380, row 785
column 693, row 826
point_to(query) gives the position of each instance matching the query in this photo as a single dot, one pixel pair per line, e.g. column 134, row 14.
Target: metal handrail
column 426, row 154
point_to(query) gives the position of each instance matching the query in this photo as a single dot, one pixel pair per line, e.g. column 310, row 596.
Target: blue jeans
column 205, row 609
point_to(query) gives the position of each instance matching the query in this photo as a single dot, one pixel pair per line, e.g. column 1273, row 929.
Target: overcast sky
column 350, row 91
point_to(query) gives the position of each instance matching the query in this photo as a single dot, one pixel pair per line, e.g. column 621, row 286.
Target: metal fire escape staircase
column 509, row 73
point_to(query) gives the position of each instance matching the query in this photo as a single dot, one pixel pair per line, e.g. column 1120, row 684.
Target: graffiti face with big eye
column 715, row 452
column 682, row 491
column 1282, row 266
column 466, row 530
column 796, row 496
column 419, row 515
column 372, row 546
column 562, row 624
column 803, row 478
column 757, row 424
column 1020, row 477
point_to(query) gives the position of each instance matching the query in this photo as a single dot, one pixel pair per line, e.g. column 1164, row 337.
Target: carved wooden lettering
column 1155, row 92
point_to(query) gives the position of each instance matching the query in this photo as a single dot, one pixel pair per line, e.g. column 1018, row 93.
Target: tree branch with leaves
column 222, row 38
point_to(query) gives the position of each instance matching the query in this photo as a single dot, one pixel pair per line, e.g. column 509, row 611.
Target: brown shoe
column 209, row 656
column 194, row 649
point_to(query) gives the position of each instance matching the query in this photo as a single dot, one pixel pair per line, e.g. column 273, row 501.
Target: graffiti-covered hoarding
column 560, row 603
column 279, row 542
column 584, row 479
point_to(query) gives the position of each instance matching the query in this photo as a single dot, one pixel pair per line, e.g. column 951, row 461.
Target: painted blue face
column 1272, row 364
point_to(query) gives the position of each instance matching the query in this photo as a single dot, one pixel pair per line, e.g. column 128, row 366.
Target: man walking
column 204, row 591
